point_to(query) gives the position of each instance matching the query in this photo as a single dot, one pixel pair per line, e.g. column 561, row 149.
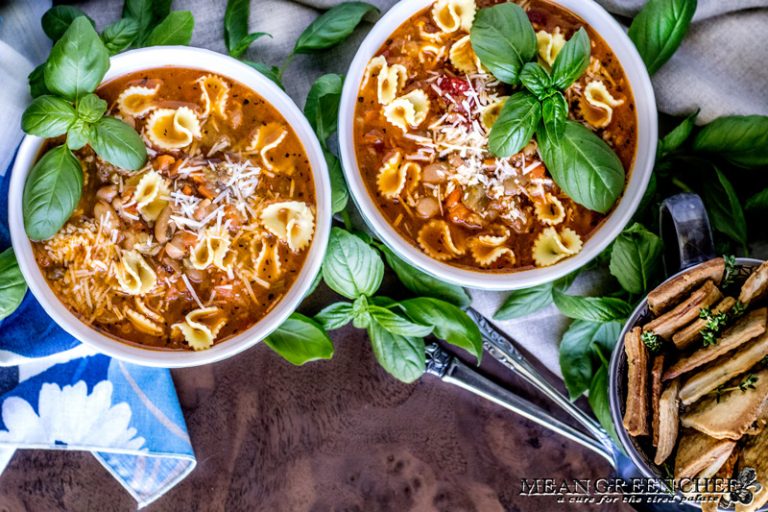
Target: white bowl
column 645, row 102
column 192, row 58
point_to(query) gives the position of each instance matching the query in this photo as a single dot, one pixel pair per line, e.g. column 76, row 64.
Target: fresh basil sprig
column 659, row 29
column 76, row 66
column 120, row 35
column 530, row 300
column 300, row 340
column 590, row 309
column 354, row 268
column 57, row 19
column 724, row 208
column 580, row 162
column 12, row 284
column 679, row 135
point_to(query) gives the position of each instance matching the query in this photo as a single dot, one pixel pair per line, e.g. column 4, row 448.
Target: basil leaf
column 536, row 79
column 529, row 300
column 450, row 323
column 245, row 42
column 423, row 284
column 51, row 193
column 78, row 61
column 524, row 302
column 300, row 340
column 120, row 35
column 339, row 192
column 504, row 40
column 91, row 108
column 576, row 356
column 758, row 201
column 742, row 140
column 396, row 324
column 12, row 284
column 147, row 13
column 36, row 80
column 634, row 258
column 403, row 357
column 236, row 23
column 335, row 316
column 724, row 208
column 659, row 28
column 572, row 61
column 677, row 137
column 599, row 401
column 554, row 112
column 119, row 144
column 583, row 166
column 79, row 134
column 57, row 20
column 361, row 317
column 322, row 105
column 175, row 29
column 515, row 125
column 351, row 267
column 608, row 334
column 271, row 72
column 591, row 309
column 332, row 27
column 48, row 116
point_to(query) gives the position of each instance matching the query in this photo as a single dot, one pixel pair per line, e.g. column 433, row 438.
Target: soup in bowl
column 496, row 174
column 207, row 248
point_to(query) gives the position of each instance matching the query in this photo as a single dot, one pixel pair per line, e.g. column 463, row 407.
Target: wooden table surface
column 338, row 435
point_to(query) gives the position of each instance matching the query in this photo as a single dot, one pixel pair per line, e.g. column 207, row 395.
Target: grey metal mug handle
column 685, row 231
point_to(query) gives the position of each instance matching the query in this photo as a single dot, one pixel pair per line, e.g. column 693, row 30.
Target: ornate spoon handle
column 449, row 369
column 500, row 347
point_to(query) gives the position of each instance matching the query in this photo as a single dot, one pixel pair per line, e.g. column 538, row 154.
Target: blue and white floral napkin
column 56, row 393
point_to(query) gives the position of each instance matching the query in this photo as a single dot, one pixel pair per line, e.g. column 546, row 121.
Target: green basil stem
column 285, row 64
column 345, row 217
column 681, row 185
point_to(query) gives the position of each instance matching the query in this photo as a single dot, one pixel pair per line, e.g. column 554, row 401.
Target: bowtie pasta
column 206, row 239
column 425, row 108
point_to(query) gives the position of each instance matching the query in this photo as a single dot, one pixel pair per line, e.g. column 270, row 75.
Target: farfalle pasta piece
column 134, row 275
column 549, row 210
column 409, row 110
column 598, row 97
column 267, row 262
column 143, row 323
column 488, row 249
column 151, row 195
column 395, row 176
column 436, row 240
column 214, row 93
column 430, row 54
column 136, row 100
column 212, row 248
column 173, row 129
column 374, row 67
column 491, row 113
column 551, row 246
column 267, row 138
column 463, row 57
column 201, row 326
column 390, row 81
column 291, row 221
column 549, row 45
column 571, row 241
column 453, row 15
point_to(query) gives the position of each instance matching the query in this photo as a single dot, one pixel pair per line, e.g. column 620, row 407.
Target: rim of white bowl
column 205, row 60
column 647, row 129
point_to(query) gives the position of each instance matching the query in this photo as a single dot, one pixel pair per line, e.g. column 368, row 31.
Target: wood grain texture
column 339, row 435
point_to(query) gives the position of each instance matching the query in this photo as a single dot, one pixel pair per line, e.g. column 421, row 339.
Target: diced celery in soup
column 425, row 108
column 206, row 239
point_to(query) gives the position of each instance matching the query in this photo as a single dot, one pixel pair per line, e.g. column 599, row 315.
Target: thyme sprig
column 715, row 323
column 746, row 384
column 651, row 340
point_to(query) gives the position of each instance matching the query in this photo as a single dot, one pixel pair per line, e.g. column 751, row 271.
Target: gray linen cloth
column 720, row 68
